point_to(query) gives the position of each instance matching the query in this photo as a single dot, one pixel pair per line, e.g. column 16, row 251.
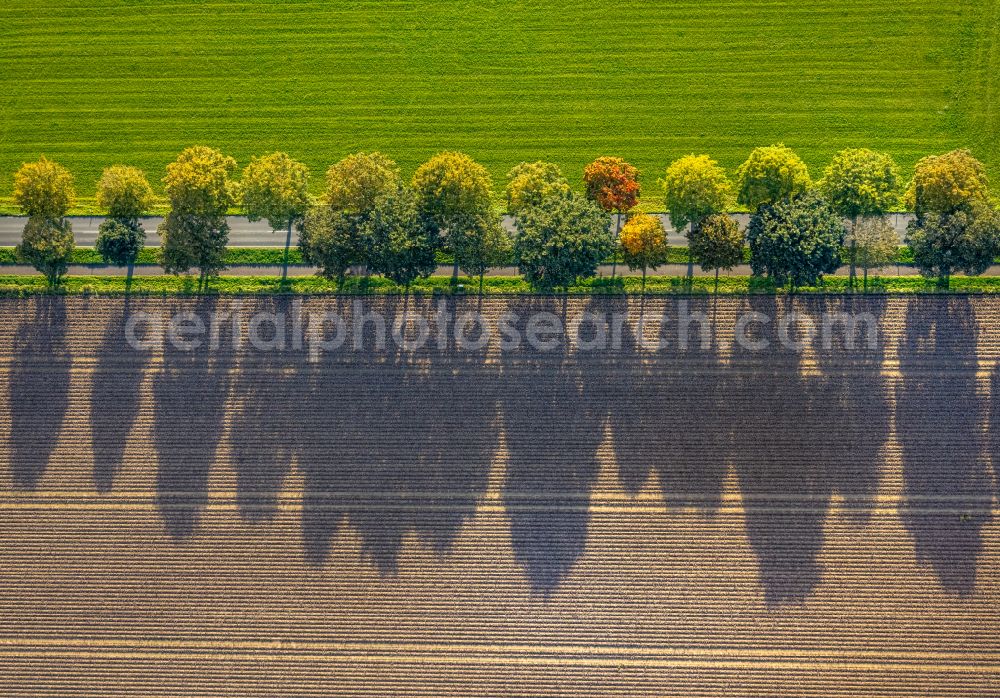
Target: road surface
column 244, row 233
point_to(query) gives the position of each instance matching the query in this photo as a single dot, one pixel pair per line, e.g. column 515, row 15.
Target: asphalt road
column 244, row 233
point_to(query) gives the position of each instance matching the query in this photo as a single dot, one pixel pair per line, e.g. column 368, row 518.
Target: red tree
column 614, row 185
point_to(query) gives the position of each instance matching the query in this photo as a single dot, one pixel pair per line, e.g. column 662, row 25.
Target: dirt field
column 445, row 521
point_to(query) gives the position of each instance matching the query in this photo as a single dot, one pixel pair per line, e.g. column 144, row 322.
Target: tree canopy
column 946, row 183
column 770, row 175
column 644, row 242
column 718, row 243
column 795, row 242
column 561, row 240
column 612, row 183
column 329, row 239
column 861, row 182
column 44, row 189
column 963, row 240
column 695, row 187
column 275, row 188
column 530, row 183
column 198, row 182
column 124, row 192
column 402, row 243
column 357, row 182
column 47, row 245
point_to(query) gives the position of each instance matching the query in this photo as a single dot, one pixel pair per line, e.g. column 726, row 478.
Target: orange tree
column 614, row 185
column 644, row 243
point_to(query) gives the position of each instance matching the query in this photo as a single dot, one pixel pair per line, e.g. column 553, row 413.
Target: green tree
column 795, row 241
column 769, row 176
column 44, row 189
column 718, row 244
column 275, row 187
column 561, row 240
column 530, row 183
column 453, row 192
column 485, row 246
column 356, row 183
column 47, row 245
column 860, row 183
column 119, row 242
column 963, row 240
column 644, row 244
column 946, row 183
column 614, row 185
column 695, row 187
column 329, row 240
column 403, row 244
column 195, row 233
column 874, row 242
column 191, row 241
column 124, row 193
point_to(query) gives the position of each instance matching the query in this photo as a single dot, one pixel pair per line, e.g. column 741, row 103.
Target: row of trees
column 370, row 220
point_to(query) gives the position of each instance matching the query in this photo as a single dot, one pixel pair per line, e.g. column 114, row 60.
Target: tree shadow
column 802, row 434
column 670, row 412
column 553, row 422
column 270, row 392
column 405, row 442
column 190, row 392
column 39, row 390
column 938, row 423
column 115, row 396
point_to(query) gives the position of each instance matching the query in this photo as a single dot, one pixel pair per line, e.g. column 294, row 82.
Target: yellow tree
column 860, row 183
column 530, row 183
column 770, row 175
column 454, row 194
column 195, row 232
column 275, row 187
column 355, row 184
column 644, row 244
column 695, row 187
column 125, row 193
column 943, row 184
column 44, row 189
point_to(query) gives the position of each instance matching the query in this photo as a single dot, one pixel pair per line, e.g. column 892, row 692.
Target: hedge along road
column 244, row 233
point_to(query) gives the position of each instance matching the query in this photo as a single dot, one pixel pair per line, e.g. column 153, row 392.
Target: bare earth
column 689, row 522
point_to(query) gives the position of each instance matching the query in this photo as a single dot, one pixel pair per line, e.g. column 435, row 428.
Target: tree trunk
column 481, row 275
column 284, row 262
column 866, row 279
column 716, row 282
column 128, row 276
column 644, row 280
column 690, row 258
column 853, row 252
column 454, row 273
column 618, row 230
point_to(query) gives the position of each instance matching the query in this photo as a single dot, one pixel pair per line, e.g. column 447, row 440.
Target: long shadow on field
column 115, row 395
column 801, row 434
column 271, row 405
column 190, row 392
column 39, row 390
column 668, row 407
column 938, row 413
column 403, row 440
column 553, row 420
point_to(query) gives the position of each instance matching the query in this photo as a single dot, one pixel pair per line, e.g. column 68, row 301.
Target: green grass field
column 93, row 82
